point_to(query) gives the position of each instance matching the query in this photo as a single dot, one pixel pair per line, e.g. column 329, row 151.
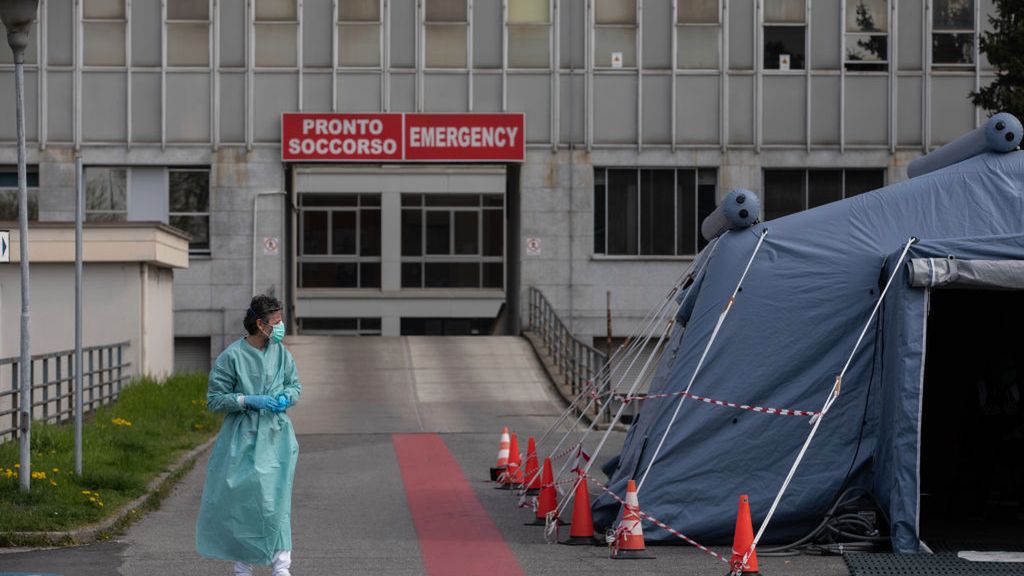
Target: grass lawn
column 125, row 445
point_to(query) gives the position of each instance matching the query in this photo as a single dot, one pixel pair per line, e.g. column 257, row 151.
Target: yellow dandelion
column 86, row 492
column 17, row 465
column 52, row 483
column 55, row 470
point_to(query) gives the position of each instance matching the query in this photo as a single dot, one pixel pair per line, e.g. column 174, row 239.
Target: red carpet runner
column 456, row 535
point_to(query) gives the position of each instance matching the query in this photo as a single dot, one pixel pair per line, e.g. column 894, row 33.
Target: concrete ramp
column 444, row 384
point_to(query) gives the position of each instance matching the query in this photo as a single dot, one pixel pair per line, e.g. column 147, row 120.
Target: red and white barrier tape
column 761, row 409
column 657, row 522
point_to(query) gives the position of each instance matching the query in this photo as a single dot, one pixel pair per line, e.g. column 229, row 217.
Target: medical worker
column 245, row 515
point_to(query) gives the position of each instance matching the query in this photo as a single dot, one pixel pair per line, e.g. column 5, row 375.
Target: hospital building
column 411, row 167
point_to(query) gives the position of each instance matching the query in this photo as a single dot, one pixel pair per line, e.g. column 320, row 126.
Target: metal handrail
column 104, row 374
column 576, row 361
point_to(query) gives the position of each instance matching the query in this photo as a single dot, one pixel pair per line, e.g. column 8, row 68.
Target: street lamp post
column 17, row 16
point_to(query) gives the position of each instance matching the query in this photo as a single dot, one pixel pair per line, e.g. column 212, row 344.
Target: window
column 106, row 194
column 276, row 31
column 790, row 191
column 529, row 28
column 953, row 33
column 651, row 212
column 453, row 241
column 339, row 243
column 867, row 38
column 359, row 26
column 9, row 194
column 189, row 205
column 103, row 26
column 615, row 34
column 188, row 33
column 447, row 25
column 785, row 27
column 697, row 32
column 446, row 326
column 340, row 326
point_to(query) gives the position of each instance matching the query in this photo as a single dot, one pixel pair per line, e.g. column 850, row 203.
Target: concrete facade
column 681, row 84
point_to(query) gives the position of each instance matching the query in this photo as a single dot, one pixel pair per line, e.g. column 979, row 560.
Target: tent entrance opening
column 972, row 437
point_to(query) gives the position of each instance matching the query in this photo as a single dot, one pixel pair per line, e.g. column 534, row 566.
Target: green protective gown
column 245, row 515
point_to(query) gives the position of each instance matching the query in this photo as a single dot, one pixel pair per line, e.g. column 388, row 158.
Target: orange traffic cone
column 582, row 531
column 630, row 541
column 502, row 456
column 531, row 475
column 513, row 473
column 547, row 501
column 741, row 541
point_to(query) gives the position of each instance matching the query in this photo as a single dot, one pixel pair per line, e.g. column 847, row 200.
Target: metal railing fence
column 104, row 373
column 576, row 361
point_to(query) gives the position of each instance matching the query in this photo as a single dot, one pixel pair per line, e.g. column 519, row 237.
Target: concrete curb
column 126, row 514
column 555, row 379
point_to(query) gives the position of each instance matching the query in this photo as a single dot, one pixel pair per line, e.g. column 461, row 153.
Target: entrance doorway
column 972, row 429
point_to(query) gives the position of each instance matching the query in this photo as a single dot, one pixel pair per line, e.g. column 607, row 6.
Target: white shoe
column 243, row 569
column 282, row 563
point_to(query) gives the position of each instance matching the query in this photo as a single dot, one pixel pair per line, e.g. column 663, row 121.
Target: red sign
column 400, row 136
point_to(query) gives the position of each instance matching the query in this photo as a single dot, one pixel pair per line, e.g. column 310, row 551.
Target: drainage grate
column 861, row 564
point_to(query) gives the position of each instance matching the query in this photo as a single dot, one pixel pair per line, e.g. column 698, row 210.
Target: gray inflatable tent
column 808, row 294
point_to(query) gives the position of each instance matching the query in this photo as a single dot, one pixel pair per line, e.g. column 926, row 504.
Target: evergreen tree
column 1004, row 46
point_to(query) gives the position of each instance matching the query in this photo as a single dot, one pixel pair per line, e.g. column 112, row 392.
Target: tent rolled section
column 739, row 209
column 1002, row 133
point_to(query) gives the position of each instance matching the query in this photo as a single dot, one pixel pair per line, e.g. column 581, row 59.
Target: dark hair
column 260, row 307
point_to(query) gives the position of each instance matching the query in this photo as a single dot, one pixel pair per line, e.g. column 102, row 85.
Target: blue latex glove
column 260, row 402
column 282, row 404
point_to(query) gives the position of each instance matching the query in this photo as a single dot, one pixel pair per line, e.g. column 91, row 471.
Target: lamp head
column 17, row 16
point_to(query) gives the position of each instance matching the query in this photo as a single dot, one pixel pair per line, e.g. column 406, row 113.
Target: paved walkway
column 376, row 416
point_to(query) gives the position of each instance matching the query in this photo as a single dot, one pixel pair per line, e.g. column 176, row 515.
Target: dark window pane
column 9, row 178
column 412, row 275
column 197, row 226
column 599, row 216
column 189, row 191
column 866, row 48
column 494, row 233
column 783, row 193
column 953, row 48
column 369, row 324
column 452, row 274
column 314, row 233
column 861, row 181
column 622, row 212
column 412, row 232
column 313, row 199
column 657, row 209
column 452, row 200
column 438, row 232
column 496, row 200
column 343, row 232
column 824, row 186
column 784, row 40
column 412, row 200
column 686, row 204
column 347, row 324
column 467, row 232
column 953, row 14
column 9, row 204
column 369, row 275
column 369, row 200
column 494, row 273
column 328, row 275
column 369, row 233
column 106, row 189
column 707, row 199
